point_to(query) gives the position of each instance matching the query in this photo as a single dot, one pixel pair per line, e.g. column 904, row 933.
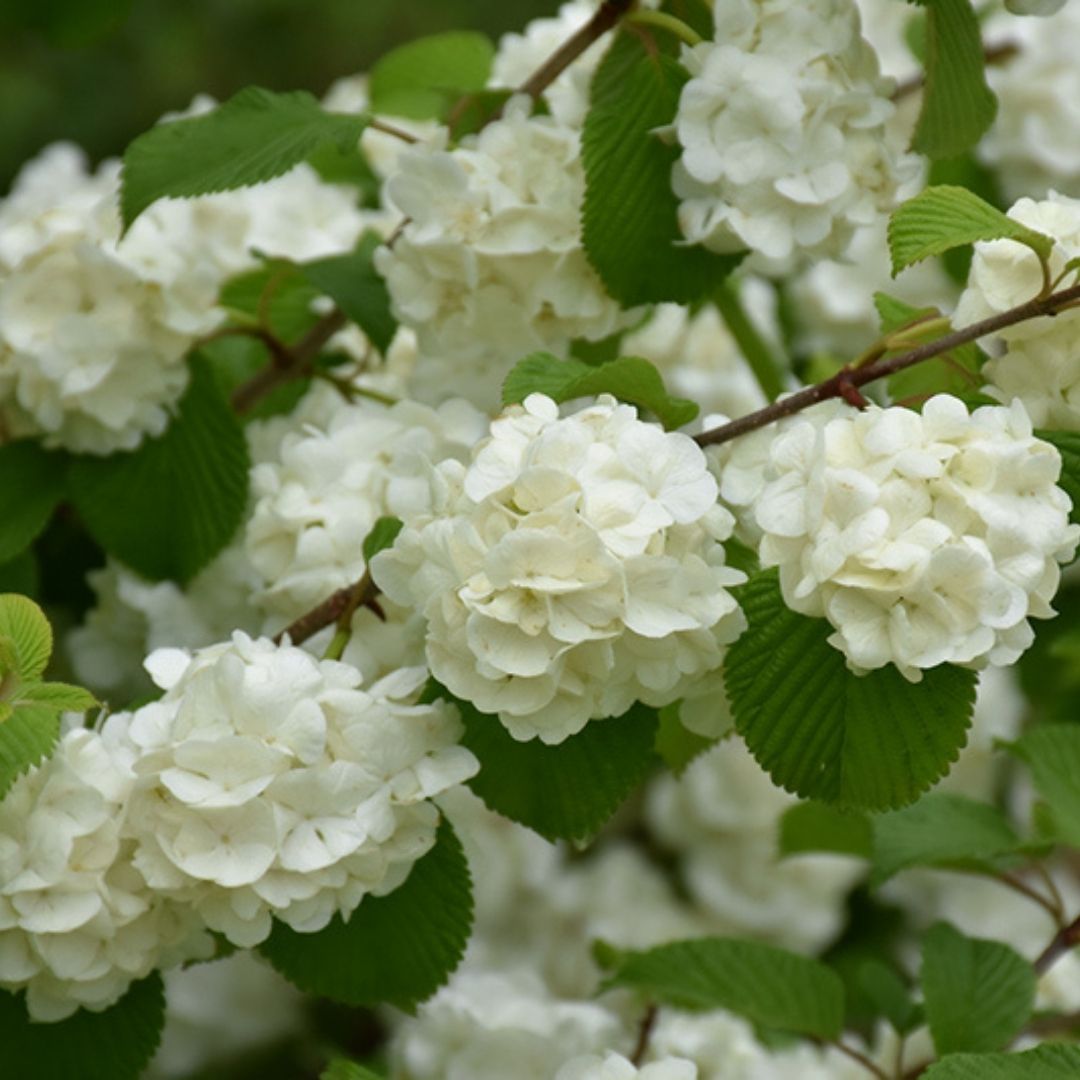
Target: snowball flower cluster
column 785, row 131
column 78, row 922
column 1040, row 363
column 923, row 539
column 616, row 1067
column 271, row 784
column 579, row 569
column 317, row 500
column 489, row 265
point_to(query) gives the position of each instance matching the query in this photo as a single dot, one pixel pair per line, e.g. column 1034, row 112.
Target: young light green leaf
column 814, row 826
column 116, row 1044
column 941, row 830
column 396, row 949
column 33, row 483
column 872, row 742
column 1048, row 1062
column 253, row 137
column 1068, row 446
column 382, row 535
column 424, row 78
column 351, row 282
column 630, row 218
column 566, row 791
column 628, row 378
column 978, row 994
column 766, row 985
column 169, row 507
column 28, row 634
column 1052, row 753
column 958, row 106
column 945, row 217
column 28, row 734
column 57, row 695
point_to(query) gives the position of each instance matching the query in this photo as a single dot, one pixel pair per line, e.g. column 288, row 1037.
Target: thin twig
column 390, row 129
column 861, row 1058
column 361, row 593
column 1019, row 885
column 882, row 368
column 645, row 1030
column 1062, row 942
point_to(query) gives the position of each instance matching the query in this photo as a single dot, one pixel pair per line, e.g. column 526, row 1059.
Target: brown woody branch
column 334, row 609
column 839, row 384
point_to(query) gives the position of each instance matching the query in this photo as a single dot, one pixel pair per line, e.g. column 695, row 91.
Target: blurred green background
column 100, row 71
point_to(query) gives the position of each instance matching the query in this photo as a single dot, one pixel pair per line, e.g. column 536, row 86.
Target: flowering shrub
column 538, row 582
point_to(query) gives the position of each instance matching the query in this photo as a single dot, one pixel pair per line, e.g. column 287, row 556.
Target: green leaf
column 24, row 625
column 59, row 696
column 277, row 296
column 941, row 830
column 566, row 791
column 1052, row 753
column 958, row 106
column 872, row 742
column 1049, row 1062
column 630, row 217
column 169, row 507
column 423, row 79
column 27, row 735
column 20, row 575
column 814, row 826
column 382, row 535
column 628, row 378
column 33, row 483
column 347, row 1070
column 1068, row 446
column 253, row 137
column 352, row 283
column 978, row 994
column 116, row 1044
column 891, row 996
column 945, row 217
column 676, row 745
column 396, row 949
column 766, row 985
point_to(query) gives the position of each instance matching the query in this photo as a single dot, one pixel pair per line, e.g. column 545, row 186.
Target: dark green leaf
column 424, row 78
column 958, row 106
column 941, row 830
column 768, row 986
column 116, row 1044
column 630, row 219
column 629, row 379
column 890, row 994
column 254, row 136
column 675, row 744
column 169, row 507
column 1068, row 445
column 277, row 296
column 347, row 1070
column 1048, row 1062
column 978, row 994
column 396, row 949
column 1052, row 753
column 382, row 535
column 566, row 791
column 20, row 575
column 32, row 485
column 351, row 282
column 814, row 826
column 873, row 741
column 941, row 218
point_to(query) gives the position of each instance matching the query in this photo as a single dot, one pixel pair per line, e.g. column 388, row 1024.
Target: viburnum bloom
column 784, row 130
column 271, row 784
column 573, row 568
column 1038, row 360
column 616, row 1067
column 489, row 265
column 923, row 538
column 78, row 922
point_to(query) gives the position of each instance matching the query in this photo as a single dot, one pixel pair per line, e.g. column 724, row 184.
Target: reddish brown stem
column 880, row 369
column 1067, row 938
column 342, row 604
column 645, row 1030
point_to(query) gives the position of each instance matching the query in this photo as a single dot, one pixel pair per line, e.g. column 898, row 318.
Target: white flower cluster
column 923, row 539
column 578, row 569
column 1040, row 363
column 78, row 922
column 94, row 329
column 616, row 1067
column 489, row 265
column 721, row 818
column 785, row 131
column 272, row 784
column 316, row 501
column 1034, row 143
